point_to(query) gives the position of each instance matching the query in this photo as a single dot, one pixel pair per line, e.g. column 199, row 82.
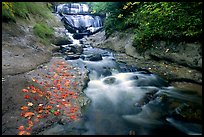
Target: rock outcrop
column 172, row 61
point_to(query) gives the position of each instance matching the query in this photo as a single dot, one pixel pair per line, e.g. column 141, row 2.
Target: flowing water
column 125, row 98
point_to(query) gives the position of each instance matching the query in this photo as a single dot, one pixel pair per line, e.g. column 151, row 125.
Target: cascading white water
column 121, row 102
column 118, row 101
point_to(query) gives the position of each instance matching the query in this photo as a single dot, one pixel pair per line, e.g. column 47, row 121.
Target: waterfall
column 78, row 20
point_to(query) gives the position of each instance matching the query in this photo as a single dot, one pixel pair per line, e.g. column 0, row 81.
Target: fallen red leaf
column 56, row 113
column 23, row 113
column 73, row 117
column 35, row 98
column 32, row 87
column 45, row 116
column 71, row 92
column 28, row 128
column 27, row 96
column 24, row 90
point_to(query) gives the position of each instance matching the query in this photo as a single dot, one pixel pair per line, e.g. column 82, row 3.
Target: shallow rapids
column 124, row 101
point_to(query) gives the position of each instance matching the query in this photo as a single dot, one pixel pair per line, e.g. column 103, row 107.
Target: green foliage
column 7, row 11
column 43, row 32
column 11, row 10
column 171, row 21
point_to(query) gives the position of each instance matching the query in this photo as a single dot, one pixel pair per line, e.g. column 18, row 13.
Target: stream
column 128, row 99
column 124, row 98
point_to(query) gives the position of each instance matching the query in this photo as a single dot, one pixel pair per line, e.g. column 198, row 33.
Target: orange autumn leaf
column 30, row 123
column 24, row 90
column 46, row 111
column 29, row 114
column 52, row 102
column 64, row 103
column 33, row 91
column 40, row 111
column 74, row 97
column 48, row 107
column 24, row 108
column 58, row 100
column 39, row 116
column 21, row 128
column 22, row 133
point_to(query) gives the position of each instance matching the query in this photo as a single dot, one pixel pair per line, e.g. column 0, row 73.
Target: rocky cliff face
column 175, row 62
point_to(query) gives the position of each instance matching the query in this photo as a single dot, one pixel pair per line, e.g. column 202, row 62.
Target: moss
column 43, row 32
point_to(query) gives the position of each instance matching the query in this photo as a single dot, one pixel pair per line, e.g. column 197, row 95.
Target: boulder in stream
column 110, row 80
column 72, row 57
column 92, row 57
column 188, row 113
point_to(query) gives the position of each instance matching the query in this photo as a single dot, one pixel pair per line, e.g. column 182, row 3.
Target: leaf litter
column 59, row 88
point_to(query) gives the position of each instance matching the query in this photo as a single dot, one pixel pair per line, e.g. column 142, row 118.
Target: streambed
column 125, row 98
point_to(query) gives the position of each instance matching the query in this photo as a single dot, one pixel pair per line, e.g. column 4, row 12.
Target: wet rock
column 77, row 49
column 147, row 98
column 93, row 57
column 72, row 57
column 63, row 120
column 61, row 41
column 110, row 80
column 143, row 71
column 86, row 45
column 53, row 131
column 151, row 80
column 106, row 72
column 188, row 113
column 83, row 101
column 134, row 77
